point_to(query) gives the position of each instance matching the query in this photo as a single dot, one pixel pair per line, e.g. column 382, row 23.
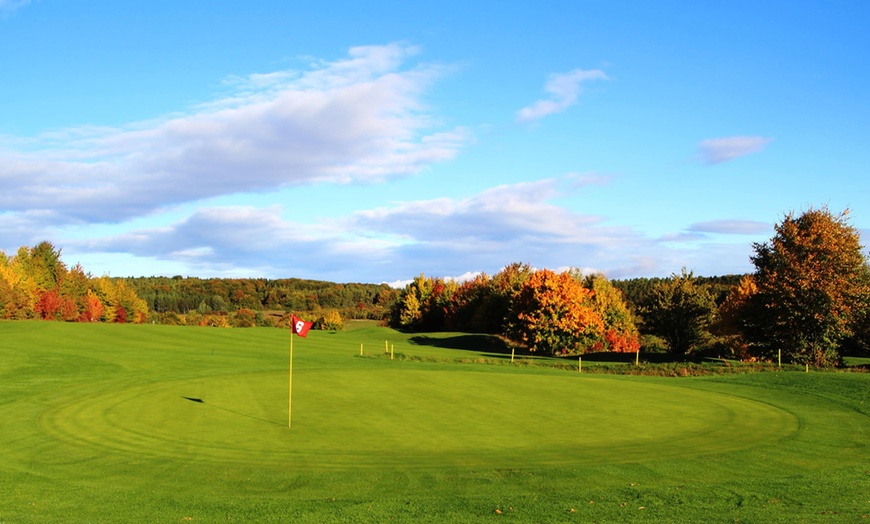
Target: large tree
column 620, row 332
column 553, row 313
column 680, row 311
column 812, row 284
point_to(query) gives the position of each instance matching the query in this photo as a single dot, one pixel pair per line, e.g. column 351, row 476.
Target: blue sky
column 374, row 141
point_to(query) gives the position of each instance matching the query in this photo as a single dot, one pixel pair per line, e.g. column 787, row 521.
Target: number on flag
column 299, row 326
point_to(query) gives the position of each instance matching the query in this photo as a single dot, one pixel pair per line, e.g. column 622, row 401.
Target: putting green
column 399, row 416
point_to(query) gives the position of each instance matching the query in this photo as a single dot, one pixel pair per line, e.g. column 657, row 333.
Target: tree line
column 557, row 313
column 808, row 300
column 36, row 284
column 268, row 300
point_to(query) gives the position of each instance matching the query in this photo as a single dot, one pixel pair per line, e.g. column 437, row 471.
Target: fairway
column 107, row 423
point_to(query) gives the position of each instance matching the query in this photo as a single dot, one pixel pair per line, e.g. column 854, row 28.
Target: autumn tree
column 244, row 318
column 423, row 304
column 407, row 312
column 620, row 333
column 120, row 302
column 42, row 262
column 812, row 281
column 484, row 304
column 732, row 317
column 330, row 320
column 679, row 310
column 93, row 310
column 859, row 341
column 552, row 313
column 469, row 306
column 18, row 291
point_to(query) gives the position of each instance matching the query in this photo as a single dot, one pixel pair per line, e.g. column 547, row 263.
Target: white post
column 579, row 364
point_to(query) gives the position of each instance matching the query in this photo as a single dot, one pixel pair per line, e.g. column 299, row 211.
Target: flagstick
column 290, row 384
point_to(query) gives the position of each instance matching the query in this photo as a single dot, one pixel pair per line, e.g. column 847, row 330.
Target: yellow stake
column 290, row 385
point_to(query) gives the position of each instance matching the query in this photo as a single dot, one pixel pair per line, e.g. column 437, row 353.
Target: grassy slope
column 96, row 427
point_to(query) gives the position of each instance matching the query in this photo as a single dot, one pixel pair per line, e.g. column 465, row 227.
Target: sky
column 375, row 141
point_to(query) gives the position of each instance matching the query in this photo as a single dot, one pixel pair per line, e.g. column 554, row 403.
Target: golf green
column 414, row 417
column 124, row 423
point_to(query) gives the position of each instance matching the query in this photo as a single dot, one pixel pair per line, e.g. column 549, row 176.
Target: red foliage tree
column 120, row 314
column 48, row 305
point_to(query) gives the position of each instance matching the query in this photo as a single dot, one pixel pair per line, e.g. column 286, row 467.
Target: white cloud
column 446, row 237
column 360, row 119
column 8, row 6
column 718, row 150
column 563, row 88
column 731, row 227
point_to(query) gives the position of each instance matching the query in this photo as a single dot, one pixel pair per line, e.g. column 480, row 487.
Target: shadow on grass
column 469, row 342
column 201, row 401
column 498, row 347
column 650, row 358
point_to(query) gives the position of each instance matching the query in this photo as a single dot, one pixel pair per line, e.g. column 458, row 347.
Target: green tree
column 504, row 288
column 42, row 262
column 812, row 287
column 468, row 306
column 679, row 310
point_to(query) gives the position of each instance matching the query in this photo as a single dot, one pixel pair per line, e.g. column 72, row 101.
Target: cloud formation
column 446, row 237
column 563, row 88
column 441, row 236
column 8, row 6
column 718, row 150
column 731, row 227
column 359, row 119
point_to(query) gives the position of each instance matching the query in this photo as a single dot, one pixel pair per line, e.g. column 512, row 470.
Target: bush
column 243, row 318
column 330, row 321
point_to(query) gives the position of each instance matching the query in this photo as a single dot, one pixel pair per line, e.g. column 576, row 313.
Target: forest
column 808, row 297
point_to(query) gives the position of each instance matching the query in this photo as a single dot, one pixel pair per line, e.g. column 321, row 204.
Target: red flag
column 299, row 326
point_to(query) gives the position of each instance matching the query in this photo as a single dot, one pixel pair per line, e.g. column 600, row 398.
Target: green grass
column 106, row 423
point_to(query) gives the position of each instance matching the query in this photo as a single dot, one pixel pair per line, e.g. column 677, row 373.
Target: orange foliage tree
column 620, row 333
column 554, row 313
column 813, row 283
column 732, row 316
column 93, row 310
